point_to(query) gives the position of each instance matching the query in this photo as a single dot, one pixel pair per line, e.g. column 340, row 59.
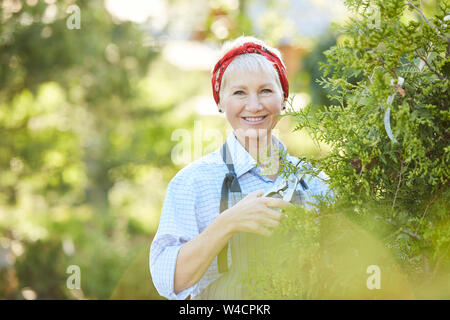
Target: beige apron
column 245, row 248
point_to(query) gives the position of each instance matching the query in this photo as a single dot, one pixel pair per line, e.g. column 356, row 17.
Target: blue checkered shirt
column 192, row 202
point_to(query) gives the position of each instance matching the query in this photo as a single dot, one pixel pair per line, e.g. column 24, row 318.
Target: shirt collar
column 242, row 160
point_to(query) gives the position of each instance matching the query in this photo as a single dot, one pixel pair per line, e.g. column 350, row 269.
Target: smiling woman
column 214, row 214
column 251, row 89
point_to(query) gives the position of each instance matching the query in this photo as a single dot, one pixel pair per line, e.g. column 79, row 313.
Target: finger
column 258, row 193
column 258, row 228
column 269, row 222
column 275, row 202
column 255, row 194
column 264, row 231
column 272, row 214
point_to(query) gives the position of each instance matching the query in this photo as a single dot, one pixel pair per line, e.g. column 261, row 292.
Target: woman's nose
column 253, row 104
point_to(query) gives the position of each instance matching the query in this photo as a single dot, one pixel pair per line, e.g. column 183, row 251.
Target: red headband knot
column 248, row 47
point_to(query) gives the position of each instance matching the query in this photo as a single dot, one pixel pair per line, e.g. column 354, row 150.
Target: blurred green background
column 92, row 121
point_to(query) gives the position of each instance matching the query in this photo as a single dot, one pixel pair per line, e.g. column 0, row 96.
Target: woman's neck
column 264, row 151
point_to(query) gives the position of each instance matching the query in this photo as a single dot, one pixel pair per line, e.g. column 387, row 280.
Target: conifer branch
column 399, row 182
column 423, row 16
column 428, row 65
column 426, row 20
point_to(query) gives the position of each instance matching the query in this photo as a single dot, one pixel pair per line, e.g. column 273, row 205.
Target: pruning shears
column 286, row 188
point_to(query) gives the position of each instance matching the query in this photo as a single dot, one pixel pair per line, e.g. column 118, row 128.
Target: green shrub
column 389, row 161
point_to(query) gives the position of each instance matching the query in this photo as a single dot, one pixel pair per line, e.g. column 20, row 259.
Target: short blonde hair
column 249, row 62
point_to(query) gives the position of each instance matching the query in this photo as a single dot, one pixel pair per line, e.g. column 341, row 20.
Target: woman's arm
column 251, row 214
column 196, row 255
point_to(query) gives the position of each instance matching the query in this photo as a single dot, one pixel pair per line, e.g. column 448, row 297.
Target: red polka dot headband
column 248, row 47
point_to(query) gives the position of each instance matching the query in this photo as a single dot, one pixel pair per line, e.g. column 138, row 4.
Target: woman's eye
column 266, row 90
column 239, row 92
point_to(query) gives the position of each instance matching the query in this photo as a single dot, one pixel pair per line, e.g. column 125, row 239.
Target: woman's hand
column 254, row 214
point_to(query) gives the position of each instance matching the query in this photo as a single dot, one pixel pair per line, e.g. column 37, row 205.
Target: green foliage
column 323, row 257
column 34, row 271
column 76, row 123
column 289, row 271
column 310, row 70
column 393, row 185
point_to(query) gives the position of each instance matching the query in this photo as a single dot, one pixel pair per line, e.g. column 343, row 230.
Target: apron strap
column 304, row 185
column 230, row 183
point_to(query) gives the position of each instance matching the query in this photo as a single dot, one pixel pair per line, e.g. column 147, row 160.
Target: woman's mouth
column 254, row 120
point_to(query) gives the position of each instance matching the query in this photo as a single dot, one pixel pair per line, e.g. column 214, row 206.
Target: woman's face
column 252, row 102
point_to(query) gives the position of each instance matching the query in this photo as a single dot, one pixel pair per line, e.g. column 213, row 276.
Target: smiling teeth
column 254, row 119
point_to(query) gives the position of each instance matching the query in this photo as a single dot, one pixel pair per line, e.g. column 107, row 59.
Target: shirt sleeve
column 178, row 225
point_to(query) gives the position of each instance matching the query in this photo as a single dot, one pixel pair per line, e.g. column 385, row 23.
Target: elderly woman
column 214, row 211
